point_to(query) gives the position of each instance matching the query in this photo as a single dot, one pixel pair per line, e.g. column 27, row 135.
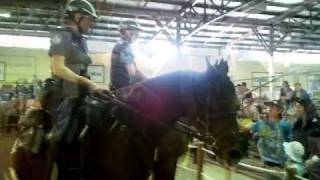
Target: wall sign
column 96, row 73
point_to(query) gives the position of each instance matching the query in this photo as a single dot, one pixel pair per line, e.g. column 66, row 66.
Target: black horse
column 125, row 143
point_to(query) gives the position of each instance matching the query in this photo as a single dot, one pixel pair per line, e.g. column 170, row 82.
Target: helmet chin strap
column 78, row 24
column 125, row 37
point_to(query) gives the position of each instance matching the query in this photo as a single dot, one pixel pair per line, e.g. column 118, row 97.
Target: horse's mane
column 157, row 97
column 161, row 97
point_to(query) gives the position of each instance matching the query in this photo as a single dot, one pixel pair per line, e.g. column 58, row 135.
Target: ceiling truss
column 196, row 23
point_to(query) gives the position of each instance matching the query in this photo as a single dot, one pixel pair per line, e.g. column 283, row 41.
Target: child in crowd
column 295, row 151
column 271, row 134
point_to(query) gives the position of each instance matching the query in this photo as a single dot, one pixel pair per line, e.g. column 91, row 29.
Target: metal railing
column 294, row 76
column 200, row 159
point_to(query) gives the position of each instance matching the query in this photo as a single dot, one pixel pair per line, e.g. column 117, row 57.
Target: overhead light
column 288, row 38
column 5, row 14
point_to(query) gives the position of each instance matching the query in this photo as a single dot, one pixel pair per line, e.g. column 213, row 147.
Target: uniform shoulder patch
column 56, row 38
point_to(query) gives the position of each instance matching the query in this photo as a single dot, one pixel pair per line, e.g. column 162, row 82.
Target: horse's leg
column 33, row 167
column 20, row 165
column 91, row 157
column 172, row 145
column 47, row 162
column 165, row 168
column 67, row 160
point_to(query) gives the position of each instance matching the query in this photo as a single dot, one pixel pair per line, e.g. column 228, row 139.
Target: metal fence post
column 260, row 88
column 200, row 156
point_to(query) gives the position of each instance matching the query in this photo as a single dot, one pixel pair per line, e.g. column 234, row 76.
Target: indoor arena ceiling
column 269, row 25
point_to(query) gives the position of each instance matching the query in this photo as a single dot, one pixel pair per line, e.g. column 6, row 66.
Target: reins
column 180, row 126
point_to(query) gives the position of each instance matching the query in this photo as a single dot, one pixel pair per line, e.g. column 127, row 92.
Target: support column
column 271, row 62
column 271, row 74
column 178, row 38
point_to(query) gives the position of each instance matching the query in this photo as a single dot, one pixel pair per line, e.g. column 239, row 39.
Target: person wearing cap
column 307, row 122
column 123, row 67
column 271, row 136
column 69, row 63
column 295, row 151
column 300, row 93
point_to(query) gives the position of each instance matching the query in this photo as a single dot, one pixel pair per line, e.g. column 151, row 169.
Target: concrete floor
column 186, row 170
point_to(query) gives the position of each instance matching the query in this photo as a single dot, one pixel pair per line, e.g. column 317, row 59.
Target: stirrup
column 84, row 132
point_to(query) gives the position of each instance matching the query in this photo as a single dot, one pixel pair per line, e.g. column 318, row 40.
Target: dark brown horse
column 128, row 144
column 122, row 143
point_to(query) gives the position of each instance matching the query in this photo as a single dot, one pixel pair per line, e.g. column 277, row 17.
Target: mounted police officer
column 69, row 63
column 68, row 50
column 123, row 67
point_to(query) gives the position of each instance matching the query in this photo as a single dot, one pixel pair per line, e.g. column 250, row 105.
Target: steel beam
column 261, row 40
column 241, row 7
column 37, row 25
column 106, row 25
column 164, row 29
column 170, row 14
column 50, row 7
column 182, row 11
column 292, row 11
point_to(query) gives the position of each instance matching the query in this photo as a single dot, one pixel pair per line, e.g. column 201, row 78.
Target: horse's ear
column 222, row 67
column 211, row 71
column 209, row 66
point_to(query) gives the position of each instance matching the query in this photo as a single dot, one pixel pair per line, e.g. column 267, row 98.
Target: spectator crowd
column 285, row 131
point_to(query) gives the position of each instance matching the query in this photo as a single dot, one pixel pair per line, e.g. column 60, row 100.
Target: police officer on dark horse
column 69, row 62
column 123, row 67
column 61, row 101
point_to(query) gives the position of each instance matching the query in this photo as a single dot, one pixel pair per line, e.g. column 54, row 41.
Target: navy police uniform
column 122, row 55
column 73, row 47
column 67, row 110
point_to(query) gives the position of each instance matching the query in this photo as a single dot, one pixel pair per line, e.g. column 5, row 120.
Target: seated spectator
column 238, row 89
column 300, row 93
column 295, row 152
column 244, row 93
column 272, row 135
column 306, row 122
column 250, row 109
